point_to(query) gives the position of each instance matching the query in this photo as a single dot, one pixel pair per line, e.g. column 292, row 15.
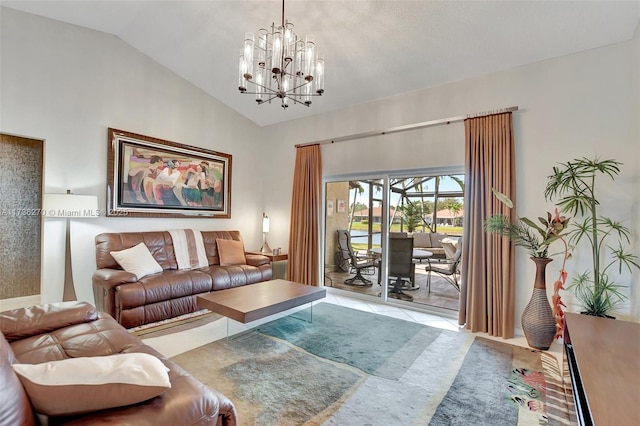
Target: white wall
column 573, row 106
column 67, row 85
column 635, row 141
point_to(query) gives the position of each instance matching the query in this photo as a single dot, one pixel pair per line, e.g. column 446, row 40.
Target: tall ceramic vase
column 538, row 323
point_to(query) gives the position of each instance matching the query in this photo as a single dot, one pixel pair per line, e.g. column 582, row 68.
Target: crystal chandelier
column 278, row 64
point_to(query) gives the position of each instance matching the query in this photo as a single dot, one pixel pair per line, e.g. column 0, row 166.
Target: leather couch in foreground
column 60, row 333
column 135, row 301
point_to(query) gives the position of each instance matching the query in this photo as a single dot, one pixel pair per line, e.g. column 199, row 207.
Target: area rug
column 350, row 367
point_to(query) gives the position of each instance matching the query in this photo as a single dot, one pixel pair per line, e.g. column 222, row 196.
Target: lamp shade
column 70, row 205
column 265, row 224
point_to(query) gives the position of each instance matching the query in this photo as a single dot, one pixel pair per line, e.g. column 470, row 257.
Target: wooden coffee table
column 255, row 301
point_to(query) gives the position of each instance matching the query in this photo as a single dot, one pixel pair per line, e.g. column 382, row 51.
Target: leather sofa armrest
column 25, row 322
column 104, row 281
column 257, row 259
column 112, row 277
column 227, row 411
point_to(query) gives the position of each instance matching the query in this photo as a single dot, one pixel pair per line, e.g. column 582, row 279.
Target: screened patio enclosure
column 425, row 204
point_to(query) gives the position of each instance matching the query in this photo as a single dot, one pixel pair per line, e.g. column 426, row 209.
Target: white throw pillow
column 81, row 385
column 138, row 260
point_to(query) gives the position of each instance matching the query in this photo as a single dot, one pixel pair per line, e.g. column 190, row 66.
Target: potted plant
column 526, row 233
column 540, row 323
column 412, row 215
column 573, row 184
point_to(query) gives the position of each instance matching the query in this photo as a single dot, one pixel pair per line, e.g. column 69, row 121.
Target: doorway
column 425, row 206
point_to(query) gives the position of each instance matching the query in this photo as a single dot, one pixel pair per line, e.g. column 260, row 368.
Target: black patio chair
column 449, row 269
column 356, row 263
column 401, row 265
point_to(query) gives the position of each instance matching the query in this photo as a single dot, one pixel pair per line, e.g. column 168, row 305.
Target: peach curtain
column 487, row 295
column 304, row 243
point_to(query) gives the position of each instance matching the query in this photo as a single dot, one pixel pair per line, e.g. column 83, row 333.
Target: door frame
column 385, row 176
column 405, row 174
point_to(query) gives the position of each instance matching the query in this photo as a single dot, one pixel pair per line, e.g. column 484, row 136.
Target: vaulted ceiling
column 373, row 49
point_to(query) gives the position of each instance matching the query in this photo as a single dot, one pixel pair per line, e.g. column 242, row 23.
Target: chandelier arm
column 268, row 100
column 266, row 88
column 297, row 101
column 288, row 94
column 269, row 97
column 298, row 95
column 302, row 85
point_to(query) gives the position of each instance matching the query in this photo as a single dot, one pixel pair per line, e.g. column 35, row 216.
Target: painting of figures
column 152, row 177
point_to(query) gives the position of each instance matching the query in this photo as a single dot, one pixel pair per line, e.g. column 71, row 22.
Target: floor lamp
column 69, row 206
column 265, row 230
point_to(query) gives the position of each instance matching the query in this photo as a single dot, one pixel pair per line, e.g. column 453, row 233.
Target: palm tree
column 455, row 208
column 412, row 215
column 358, row 189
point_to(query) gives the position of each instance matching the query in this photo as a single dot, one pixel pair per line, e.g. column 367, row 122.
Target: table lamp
column 265, row 230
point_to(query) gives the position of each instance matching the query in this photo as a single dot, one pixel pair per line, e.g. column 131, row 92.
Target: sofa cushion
column 436, row 239
column 421, row 239
column 25, row 322
column 238, row 275
column 159, row 288
column 15, row 408
column 80, row 385
column 231, row 252
column 137, row 260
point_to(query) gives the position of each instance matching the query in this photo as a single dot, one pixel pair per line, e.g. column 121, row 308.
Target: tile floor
column 177, row 343
column 441, row 295
column 432, row 320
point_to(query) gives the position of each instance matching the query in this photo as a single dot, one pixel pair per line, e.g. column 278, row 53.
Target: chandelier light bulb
column 242, row 69
column 320, row 75
column 259, row 84
column 276, row 54
column 309, row 57
column 248, row 55
column 288, row 42
column 276, row 63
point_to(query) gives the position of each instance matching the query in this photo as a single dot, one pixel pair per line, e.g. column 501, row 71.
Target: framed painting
column 150, row 177
column 329, row 208
column 342, row 206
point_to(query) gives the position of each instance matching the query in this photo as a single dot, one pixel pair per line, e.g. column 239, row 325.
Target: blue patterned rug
column 350, row 367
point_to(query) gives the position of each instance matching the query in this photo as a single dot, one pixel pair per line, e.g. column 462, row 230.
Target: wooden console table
column 604, row 363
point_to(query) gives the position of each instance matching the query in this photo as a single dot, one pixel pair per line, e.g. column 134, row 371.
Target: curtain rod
column 407, row 127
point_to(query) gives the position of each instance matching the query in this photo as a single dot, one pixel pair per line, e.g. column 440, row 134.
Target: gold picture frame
column 151, row 177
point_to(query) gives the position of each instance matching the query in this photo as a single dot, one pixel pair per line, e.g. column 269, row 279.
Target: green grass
column 449, row 230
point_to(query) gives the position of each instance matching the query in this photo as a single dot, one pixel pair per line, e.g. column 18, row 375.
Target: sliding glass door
column 426, row 207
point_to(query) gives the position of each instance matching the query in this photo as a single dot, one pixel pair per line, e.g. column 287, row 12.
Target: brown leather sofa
column 133, row 302
column 65, row 330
